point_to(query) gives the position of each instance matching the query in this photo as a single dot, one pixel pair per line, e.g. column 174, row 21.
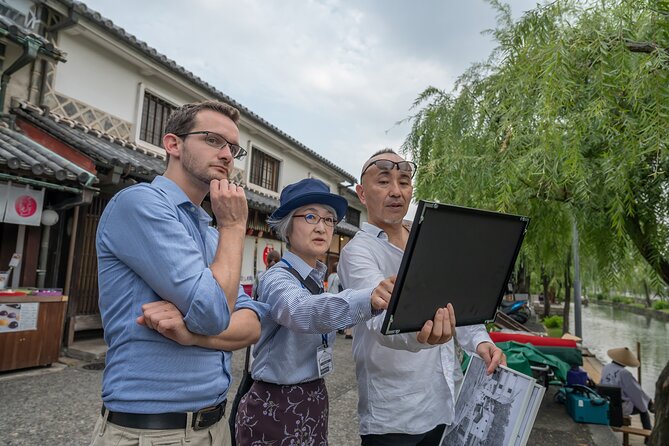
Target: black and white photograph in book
column 491, row 410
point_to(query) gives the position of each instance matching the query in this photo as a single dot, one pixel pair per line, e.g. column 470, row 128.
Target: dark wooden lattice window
column 155, row 112
column 264, row 170
column 353, row 216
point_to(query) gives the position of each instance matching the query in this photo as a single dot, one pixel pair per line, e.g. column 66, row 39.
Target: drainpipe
column 30, row 48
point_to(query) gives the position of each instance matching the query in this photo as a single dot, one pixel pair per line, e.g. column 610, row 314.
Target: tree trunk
column 547, row 303
column 647, row 292
column 660, row 435
column 567, row 295
column 646, row 248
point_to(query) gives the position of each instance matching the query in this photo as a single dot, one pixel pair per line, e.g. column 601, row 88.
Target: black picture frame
column 456, row 255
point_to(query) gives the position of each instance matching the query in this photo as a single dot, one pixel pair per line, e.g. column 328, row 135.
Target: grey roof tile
column 104, row 149
column 261, row 202
column 347, row 228
column 18, row 152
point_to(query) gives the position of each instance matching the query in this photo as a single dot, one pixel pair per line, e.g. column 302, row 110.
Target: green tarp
column 520, row 357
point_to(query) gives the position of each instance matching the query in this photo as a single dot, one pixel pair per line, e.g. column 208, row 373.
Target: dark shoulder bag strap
column 309, row 283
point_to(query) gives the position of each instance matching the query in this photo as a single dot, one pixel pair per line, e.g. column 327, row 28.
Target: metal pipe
column 30, row 48
column 43, row 256
column 70, row 255
column 6, row 176
column 20, row 241
column 577, row 281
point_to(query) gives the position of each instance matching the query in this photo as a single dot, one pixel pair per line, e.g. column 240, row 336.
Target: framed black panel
column 454, row 255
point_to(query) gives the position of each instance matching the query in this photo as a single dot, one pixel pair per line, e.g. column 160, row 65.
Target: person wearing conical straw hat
column 634, row 399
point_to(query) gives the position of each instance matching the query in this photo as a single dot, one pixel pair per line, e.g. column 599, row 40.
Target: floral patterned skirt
column 277, row 415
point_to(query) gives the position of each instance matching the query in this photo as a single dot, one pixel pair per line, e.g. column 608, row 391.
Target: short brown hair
column 182, row 119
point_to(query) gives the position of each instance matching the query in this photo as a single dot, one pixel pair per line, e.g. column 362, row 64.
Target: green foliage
column 601, row 296
column 622, row 300
column 567, row 120
column 554, row 332
column 660, row 305
column 553, row 321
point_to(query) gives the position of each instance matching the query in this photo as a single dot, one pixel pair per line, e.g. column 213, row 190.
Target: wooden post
column 638, row 356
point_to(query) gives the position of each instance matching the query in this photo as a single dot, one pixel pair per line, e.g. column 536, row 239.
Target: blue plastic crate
column 586, row 406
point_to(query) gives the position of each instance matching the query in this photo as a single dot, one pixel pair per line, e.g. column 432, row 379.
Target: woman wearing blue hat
column 288, row 401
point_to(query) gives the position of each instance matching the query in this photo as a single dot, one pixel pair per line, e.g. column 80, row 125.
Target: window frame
column 264, row 162
column 146, row 115
column 356, row 212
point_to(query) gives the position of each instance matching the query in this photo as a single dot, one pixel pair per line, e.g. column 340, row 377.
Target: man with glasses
column 158, row 256
column 405, row 381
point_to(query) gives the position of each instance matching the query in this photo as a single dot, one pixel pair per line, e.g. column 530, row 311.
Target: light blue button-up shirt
column 153, row 243
column 297, row 320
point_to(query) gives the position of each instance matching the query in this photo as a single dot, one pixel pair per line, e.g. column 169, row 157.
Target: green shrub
column 553, row 321
column 601, row 296
column 660, row 305
column 617, row 299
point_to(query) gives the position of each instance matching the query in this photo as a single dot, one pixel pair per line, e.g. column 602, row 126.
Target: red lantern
column 265, row 253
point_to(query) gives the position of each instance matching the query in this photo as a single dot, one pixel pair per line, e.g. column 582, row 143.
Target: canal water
column 605, row 327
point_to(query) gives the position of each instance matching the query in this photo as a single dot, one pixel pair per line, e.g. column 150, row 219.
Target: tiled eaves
column 104, row 149
column 18, row 34
column 18, row 152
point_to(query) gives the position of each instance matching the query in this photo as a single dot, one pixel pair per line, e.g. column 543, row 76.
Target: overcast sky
column 335, row 75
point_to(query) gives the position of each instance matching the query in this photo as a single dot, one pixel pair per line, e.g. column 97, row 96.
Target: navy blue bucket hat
column 309, row 191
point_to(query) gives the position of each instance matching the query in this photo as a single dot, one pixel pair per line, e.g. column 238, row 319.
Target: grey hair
column 284, row 226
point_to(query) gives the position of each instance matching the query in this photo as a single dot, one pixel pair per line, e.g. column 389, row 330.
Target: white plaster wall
column 19, row 82
column 248, row 258
column 97, row 77
column 294, row 165
column 23, row 6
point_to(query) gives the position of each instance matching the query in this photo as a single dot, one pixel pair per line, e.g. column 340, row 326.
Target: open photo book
column 495, row 410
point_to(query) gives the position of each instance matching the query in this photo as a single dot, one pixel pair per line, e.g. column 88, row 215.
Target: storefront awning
column 105, row 150
column 346, row 228
column 261, row 202
column 22, row 154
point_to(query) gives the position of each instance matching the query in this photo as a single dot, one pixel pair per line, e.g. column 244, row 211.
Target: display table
column 31, row 330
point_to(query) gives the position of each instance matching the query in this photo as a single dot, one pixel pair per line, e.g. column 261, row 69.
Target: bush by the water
column 660, row 305
column 622, row 300
column 553, row 321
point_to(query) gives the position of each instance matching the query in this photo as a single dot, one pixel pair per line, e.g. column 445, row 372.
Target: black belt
column 202, row 419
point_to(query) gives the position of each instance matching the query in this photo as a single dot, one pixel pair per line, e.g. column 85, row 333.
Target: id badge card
column 324, row 360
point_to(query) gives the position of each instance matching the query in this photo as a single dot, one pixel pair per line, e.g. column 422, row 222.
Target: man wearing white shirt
column 405, row 381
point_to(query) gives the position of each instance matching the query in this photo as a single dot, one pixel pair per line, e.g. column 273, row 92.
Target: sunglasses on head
column 388, row 165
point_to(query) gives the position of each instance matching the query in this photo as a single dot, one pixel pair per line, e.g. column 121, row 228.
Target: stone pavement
column 59, row 406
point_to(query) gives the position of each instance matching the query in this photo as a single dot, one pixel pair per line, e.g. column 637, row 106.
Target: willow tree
column 568, row 120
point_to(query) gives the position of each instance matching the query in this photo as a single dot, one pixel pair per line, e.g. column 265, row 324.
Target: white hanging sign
column 24, row 206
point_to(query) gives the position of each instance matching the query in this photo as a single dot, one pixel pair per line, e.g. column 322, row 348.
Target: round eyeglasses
column 314, row 219
column 218, row 142
column 388, row 165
